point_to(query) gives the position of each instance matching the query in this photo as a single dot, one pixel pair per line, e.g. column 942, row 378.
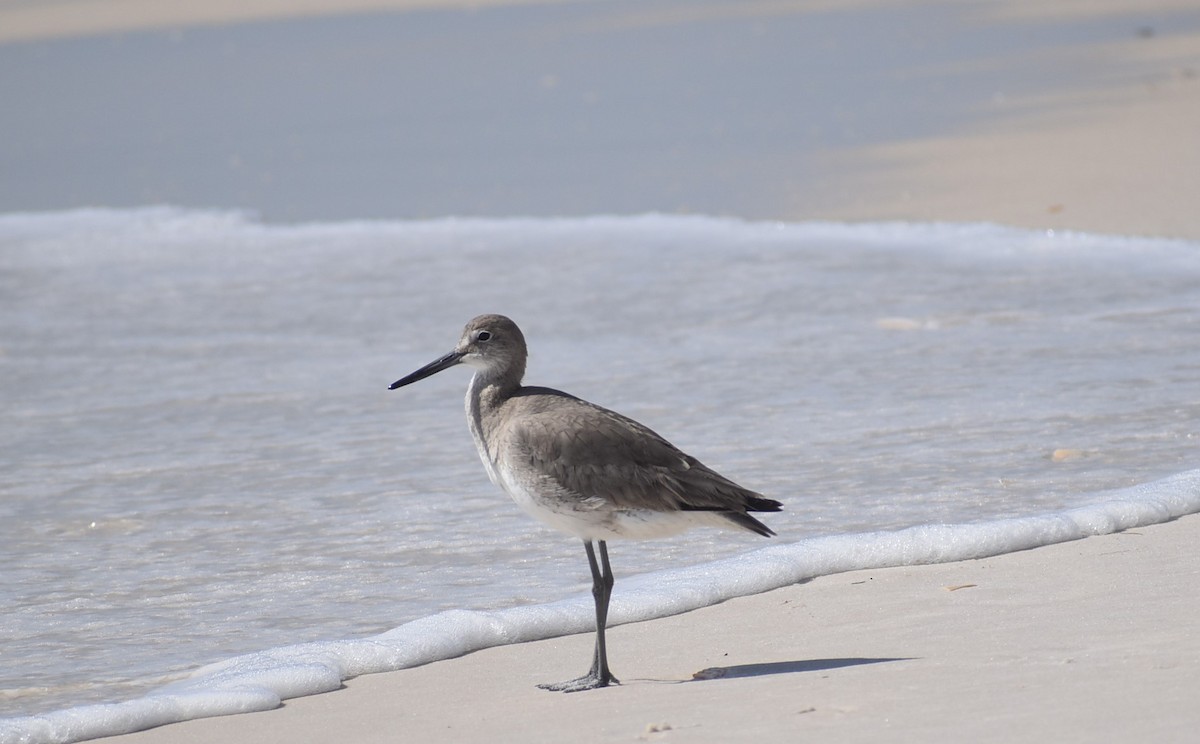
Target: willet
column 583, row 469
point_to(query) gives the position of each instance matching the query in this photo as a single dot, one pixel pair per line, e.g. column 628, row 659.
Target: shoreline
column 673, row 619
column 1108, row 160
column 1067, row 642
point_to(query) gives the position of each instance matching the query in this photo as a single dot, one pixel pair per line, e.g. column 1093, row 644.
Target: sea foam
column 260, row 681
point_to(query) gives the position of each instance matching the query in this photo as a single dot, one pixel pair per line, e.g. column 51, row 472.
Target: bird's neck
column 487, row 392
column 485, row 396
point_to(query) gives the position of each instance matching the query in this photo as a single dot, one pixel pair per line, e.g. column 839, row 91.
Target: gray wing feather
column 588, row 451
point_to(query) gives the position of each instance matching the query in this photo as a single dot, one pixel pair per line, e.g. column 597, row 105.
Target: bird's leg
column 602, row 584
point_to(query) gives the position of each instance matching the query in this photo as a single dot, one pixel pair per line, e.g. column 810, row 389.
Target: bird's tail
column 759, row 504
column 747, row 522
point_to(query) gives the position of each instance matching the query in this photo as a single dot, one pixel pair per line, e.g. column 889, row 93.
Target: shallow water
column 201, row 459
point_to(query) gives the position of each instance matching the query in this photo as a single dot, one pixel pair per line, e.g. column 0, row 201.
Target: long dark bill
column 446, row 362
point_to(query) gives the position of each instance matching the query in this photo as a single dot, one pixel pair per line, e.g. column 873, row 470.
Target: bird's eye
column 483, row 336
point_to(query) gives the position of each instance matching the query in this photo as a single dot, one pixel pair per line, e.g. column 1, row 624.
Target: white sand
column 1121, row 158
column 1092, row 640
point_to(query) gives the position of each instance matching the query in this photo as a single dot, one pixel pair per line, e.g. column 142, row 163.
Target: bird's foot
column 589, row 681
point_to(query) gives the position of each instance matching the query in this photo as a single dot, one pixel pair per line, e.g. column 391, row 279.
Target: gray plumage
column 583, row 469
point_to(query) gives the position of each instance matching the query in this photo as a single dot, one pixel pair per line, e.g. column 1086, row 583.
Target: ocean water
column 201, row 459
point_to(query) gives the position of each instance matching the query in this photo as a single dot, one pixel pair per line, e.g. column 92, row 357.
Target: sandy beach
column 1089, row 640
column 1114, row 157
column 1084, row 641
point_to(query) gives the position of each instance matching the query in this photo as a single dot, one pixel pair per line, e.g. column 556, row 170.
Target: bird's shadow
column 784, row 667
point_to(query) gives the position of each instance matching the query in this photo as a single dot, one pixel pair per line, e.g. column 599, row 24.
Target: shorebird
column 583, row 469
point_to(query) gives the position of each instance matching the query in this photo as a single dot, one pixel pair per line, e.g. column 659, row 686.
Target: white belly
column 595, row 519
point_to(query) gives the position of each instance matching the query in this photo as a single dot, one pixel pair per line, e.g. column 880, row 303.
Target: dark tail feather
column 741, row 518
column 745, row 521
column 759, row 503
